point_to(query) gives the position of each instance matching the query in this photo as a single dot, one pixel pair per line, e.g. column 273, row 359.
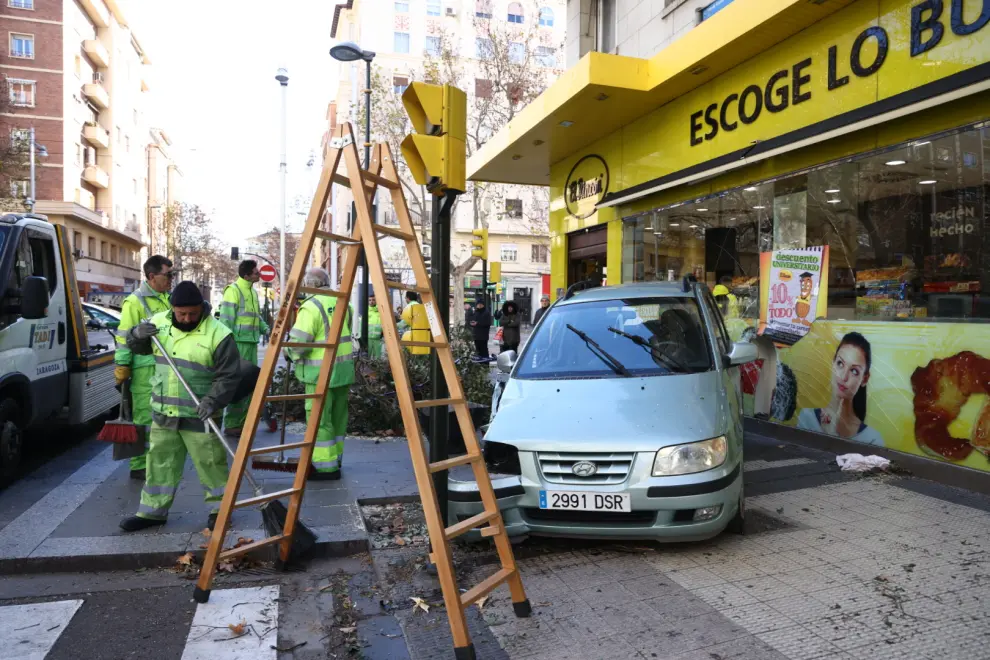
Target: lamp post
column 41, row 152
column 351, row 52
column 282, row 76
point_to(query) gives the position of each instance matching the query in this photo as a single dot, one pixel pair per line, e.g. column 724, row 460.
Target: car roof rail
column 688, row 281
column 580, row 286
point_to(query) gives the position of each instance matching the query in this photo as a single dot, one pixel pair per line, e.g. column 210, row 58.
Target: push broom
column 121, row 431
column 273, row 513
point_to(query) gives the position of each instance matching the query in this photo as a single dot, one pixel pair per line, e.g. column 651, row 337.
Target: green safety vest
column 313, row 324
column 142, row 304
column 192, row 353
column 240, row 311
column 374, row 323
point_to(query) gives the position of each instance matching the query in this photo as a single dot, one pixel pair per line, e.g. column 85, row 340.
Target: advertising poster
column 794, row 293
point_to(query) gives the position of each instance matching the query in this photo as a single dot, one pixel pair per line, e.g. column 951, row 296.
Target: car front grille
column 618, row 518
column 612, row 468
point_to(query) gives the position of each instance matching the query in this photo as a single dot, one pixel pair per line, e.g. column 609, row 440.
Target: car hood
column 629, row 414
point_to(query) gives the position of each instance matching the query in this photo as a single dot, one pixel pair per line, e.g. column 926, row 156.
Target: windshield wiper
column 602, row 354
column 668, row 361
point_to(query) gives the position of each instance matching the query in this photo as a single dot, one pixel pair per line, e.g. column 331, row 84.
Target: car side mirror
column 506, row 361
column 741, row 353
column 34, row 297
column 94, row 324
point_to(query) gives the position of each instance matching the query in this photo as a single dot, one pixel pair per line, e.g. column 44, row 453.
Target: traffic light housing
column 479, row 245
column 428, row 262
column 436, row 154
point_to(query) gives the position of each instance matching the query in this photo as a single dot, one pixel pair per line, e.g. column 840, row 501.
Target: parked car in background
column 100, row 322
column 621, row 418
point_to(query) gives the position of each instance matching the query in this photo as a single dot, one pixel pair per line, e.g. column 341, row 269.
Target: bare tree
column 14, row 157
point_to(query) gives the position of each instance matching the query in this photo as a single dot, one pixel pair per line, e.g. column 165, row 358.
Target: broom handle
column 125, row 401
column 213, row 425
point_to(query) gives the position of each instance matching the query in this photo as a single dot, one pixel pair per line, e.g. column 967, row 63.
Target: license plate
column 582, row 501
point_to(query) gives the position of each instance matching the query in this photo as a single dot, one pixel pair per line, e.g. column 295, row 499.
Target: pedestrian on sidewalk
column 481, row 323
column 206, row 354
column 414, row 316
column 313, row 325
column 149, row 299
column 374, row 327
column 544, row 306
column 509, row 323
column 240, row 311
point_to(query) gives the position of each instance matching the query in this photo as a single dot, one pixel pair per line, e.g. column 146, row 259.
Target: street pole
column 363, row 294
column 439, row 417
column 484, row 281
column 31, row 201
column 283, row 79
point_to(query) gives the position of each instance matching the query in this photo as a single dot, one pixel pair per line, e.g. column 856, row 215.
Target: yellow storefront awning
column 602, row 92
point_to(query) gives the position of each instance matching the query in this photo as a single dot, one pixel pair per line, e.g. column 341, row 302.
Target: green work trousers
column 233, row 416
column 328, row 454
column 375, row 347
column 166, row 459
column 141, row 406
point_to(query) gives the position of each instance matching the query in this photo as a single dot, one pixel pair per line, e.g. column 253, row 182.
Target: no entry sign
column 267, row 273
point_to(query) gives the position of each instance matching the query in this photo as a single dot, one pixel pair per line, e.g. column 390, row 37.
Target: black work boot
column 316, row 475
column 137, row 474
column 137, row 523
column 211, row 522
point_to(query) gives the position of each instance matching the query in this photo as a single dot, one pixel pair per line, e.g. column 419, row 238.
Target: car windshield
column 645, row 336
column 3, row 237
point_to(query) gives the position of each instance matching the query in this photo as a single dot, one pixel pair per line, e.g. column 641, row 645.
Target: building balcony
column 96, row 135
column 86, row 198
column 97, row 12
column 95, row 175
column 95, row 92
column 96, row 52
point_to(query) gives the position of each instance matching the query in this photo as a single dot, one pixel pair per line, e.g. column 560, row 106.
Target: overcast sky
column 214, row 92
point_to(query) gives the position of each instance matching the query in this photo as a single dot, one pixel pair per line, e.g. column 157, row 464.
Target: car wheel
column 738, row 523
column 11, row 440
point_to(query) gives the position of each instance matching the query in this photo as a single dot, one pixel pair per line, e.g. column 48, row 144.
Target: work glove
column 145, row 330
column 206, row 408
column 121, row 373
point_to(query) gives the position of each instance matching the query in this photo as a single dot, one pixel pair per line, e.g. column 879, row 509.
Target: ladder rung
column 321, row 292
column 433, row 403
column 408, row 287
column 275, row 448
column 395, row 233
column 307, row 344
column 467, row 525
column 244, row 549
column 327, row 236
column 424, row 344
column 291, row 397
column 381, row 181
column 446, row 464
column 481, row 589
column 267, row 497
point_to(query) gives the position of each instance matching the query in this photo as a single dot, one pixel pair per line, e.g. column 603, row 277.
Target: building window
column 399, row 84
column 713, row 9
column 20, row 138
column 515, row 13
column 77, row 240
column 517, row 52
column 546, row 56
column 113, row 254
column 483, row 9
column 22, row 45
column 22, row 92
column 514, row 208
column 432, row 7
column 19, row 188
column 483, row 48
column 104, row 254
column 21, row 4
column 92, row 247
column 606, row 26
column 482, row 88
column 79, row 155
column 401, row 7
column 401, row 42
column 546, row 17
column 432, row 47
column 509, row 253
column 540, row 254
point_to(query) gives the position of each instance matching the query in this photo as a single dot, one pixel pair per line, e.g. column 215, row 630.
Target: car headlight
column 690, row 458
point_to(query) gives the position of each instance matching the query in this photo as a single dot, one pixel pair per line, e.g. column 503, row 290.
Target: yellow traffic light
column 436, row 154
column 494, row 271
column 479, row 246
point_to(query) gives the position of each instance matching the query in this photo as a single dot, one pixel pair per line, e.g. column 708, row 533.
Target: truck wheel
column 11, row 440
column 738, row 523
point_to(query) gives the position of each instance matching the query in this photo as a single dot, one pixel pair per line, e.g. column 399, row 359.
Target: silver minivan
column 620, row 419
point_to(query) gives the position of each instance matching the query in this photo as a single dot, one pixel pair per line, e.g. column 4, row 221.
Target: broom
column 281, row 465
column 121, row 430
column 273, row 513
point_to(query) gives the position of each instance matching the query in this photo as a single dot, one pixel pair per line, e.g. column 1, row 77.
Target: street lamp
column 349, row 51
column 282, row 76
column 42, row 152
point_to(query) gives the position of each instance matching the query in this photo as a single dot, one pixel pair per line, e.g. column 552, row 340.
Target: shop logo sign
column 586, row 186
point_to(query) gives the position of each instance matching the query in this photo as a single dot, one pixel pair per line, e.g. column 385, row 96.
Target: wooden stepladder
column 381, row 173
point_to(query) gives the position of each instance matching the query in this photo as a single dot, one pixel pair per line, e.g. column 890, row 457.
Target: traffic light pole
column 484, row 281
column 363, row 262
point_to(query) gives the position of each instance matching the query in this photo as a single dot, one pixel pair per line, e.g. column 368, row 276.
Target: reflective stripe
column 171, row 400
column 316, row 363
column 249, row 314
column 325, row 444
column 245, row 328
column 160, row 490
column 227, row 303
column 185, row 364
column 160, row 513
column 299, row 334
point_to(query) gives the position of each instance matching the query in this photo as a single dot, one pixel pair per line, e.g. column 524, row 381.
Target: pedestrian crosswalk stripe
column 29, row 632
column 221, row 619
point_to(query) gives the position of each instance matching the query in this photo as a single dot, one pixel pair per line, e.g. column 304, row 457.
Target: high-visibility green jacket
column 144, row 303
column 312, row 325
column 374, row 322
column 241, row 312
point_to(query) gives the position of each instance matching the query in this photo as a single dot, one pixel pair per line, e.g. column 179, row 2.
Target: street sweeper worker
column 374, row 327
column 149, row 299
column 206, row 355
column 313, row 325
column 241, row 312
column 414, row 316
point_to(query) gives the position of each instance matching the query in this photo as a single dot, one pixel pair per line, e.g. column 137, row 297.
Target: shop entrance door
column 586, row 255
column 523, row 297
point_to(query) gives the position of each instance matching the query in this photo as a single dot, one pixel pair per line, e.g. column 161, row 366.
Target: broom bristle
column 118, row 432
column 273, row 514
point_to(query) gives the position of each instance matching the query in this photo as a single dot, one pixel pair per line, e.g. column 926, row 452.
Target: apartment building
column 77, row 74
column 404, row 34
column 163, row 181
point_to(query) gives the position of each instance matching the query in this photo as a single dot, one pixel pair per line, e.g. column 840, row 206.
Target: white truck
column 48, row 370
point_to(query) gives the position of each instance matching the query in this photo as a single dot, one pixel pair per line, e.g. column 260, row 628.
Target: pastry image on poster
column 941, row 389
column 794, row 296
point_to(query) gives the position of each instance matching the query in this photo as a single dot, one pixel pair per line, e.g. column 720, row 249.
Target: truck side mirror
column 34, row 297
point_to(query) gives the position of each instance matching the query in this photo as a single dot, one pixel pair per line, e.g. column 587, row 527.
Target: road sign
column 267, row 272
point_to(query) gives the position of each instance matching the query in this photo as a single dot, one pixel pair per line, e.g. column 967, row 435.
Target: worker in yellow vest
column 313, row 325
column 240, row 311
column 149, row 299
column 414, row 316
column 374, row 327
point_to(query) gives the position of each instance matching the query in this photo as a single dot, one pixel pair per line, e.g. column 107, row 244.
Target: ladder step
column 433, row 403
column 267, row 497
column 291, row 397
column 395, row 233
column 482, row 589
column 321, row 292
column 337, row 238
column 381, row 181
column 467, row 525
column 307, row 344
column 425, row 344
column 440, row 466
column 408, row 287
column 275, row 448
column 244, row 549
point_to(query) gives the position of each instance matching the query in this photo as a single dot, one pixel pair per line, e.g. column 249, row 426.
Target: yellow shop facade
column 826, row 164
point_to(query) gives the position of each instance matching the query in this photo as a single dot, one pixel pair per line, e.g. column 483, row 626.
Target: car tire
column 738, row 523
column 11, row 440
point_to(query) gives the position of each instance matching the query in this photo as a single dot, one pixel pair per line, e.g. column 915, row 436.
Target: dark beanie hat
column 186, row 294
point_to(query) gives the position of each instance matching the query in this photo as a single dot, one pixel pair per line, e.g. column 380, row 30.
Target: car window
column 721, row 333
column 100, row 315
column 648, row 336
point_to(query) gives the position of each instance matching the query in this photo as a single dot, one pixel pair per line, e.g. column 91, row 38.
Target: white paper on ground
column 860, row 463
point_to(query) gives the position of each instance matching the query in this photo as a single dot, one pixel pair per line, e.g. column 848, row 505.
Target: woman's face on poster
column 848, row 372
